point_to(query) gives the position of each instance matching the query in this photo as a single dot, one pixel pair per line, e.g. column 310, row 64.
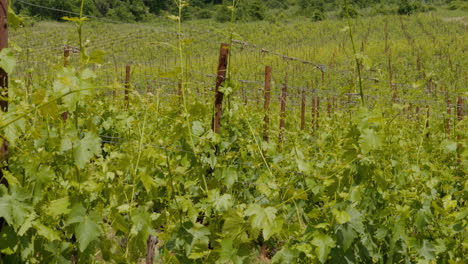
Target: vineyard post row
column 221, row 77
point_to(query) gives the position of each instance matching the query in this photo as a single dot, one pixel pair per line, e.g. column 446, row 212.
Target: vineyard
column 339, row 141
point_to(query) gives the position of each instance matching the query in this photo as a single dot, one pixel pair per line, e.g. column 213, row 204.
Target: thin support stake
column 266, row 105
column 303, row 106
column 127, row 85
column 4, row 44
column 449, row 117
column 459, row 136
column 283, row 109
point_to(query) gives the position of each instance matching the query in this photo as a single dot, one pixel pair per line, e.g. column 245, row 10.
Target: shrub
column 318, row 16
column 252, row 10
column 407, row 7
column 223, row 14
column 458, row 5
column 349, row 11
column 204, row 14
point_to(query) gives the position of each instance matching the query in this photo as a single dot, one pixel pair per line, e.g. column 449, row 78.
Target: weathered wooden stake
column 222, row 68
column 266, row 105
column 4, row 44
column 4, row 95
column 127, row 85
column 283, row 109
column 428, row 115
column 66, row 55
column 449, row 117
column 314, row 110
column 317, row 116
column 303, row 106
column 459, row 137
column 150, row 248
column 179, row 91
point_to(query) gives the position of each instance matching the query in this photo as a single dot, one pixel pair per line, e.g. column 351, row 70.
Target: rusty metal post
column 283, row 109
column 221, row 77
column 303, row 105
column 266, row 104
column 127, row 84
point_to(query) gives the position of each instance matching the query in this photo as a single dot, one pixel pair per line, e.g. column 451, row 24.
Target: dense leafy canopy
column 138, row 10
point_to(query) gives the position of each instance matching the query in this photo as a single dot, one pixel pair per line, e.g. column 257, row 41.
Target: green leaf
column 197, row 128
column 8, row 240
column 148, row 181
column 348, row 236
column 14, row 208
column 369, row 140
column 262, row 218
column 199, row 246
column 58, row 207
column 449, row 146
column 228, row 252
column 285, row 255
column 87, row 231
column 76, row 215
column 220, row 203
column 324, row 244
column 427, row 250
column 275, row 228
column 7, row 60
column 14, row 21
column 87, row 148
column 46, row 231
column 341, row 217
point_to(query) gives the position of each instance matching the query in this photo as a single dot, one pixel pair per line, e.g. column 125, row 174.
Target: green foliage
column 349, row 11
column 223, row 14
column 371, row 185
column 409, row 7
column 251, row 10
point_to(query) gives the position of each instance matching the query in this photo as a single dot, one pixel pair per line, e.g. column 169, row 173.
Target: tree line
column 247, row 10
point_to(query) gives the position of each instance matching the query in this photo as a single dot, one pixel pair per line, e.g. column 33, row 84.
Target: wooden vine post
column 66, row 55
column 179, row 91
column 283, row 109
column 4, row 93
column 127, row 84
column 150, row 249
column 66, row 60
column 449, row 117
column 221, row 77
column 303, row 106
column 4, row 44
column 314, row 111
column 266, row 105
column 459, row 119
